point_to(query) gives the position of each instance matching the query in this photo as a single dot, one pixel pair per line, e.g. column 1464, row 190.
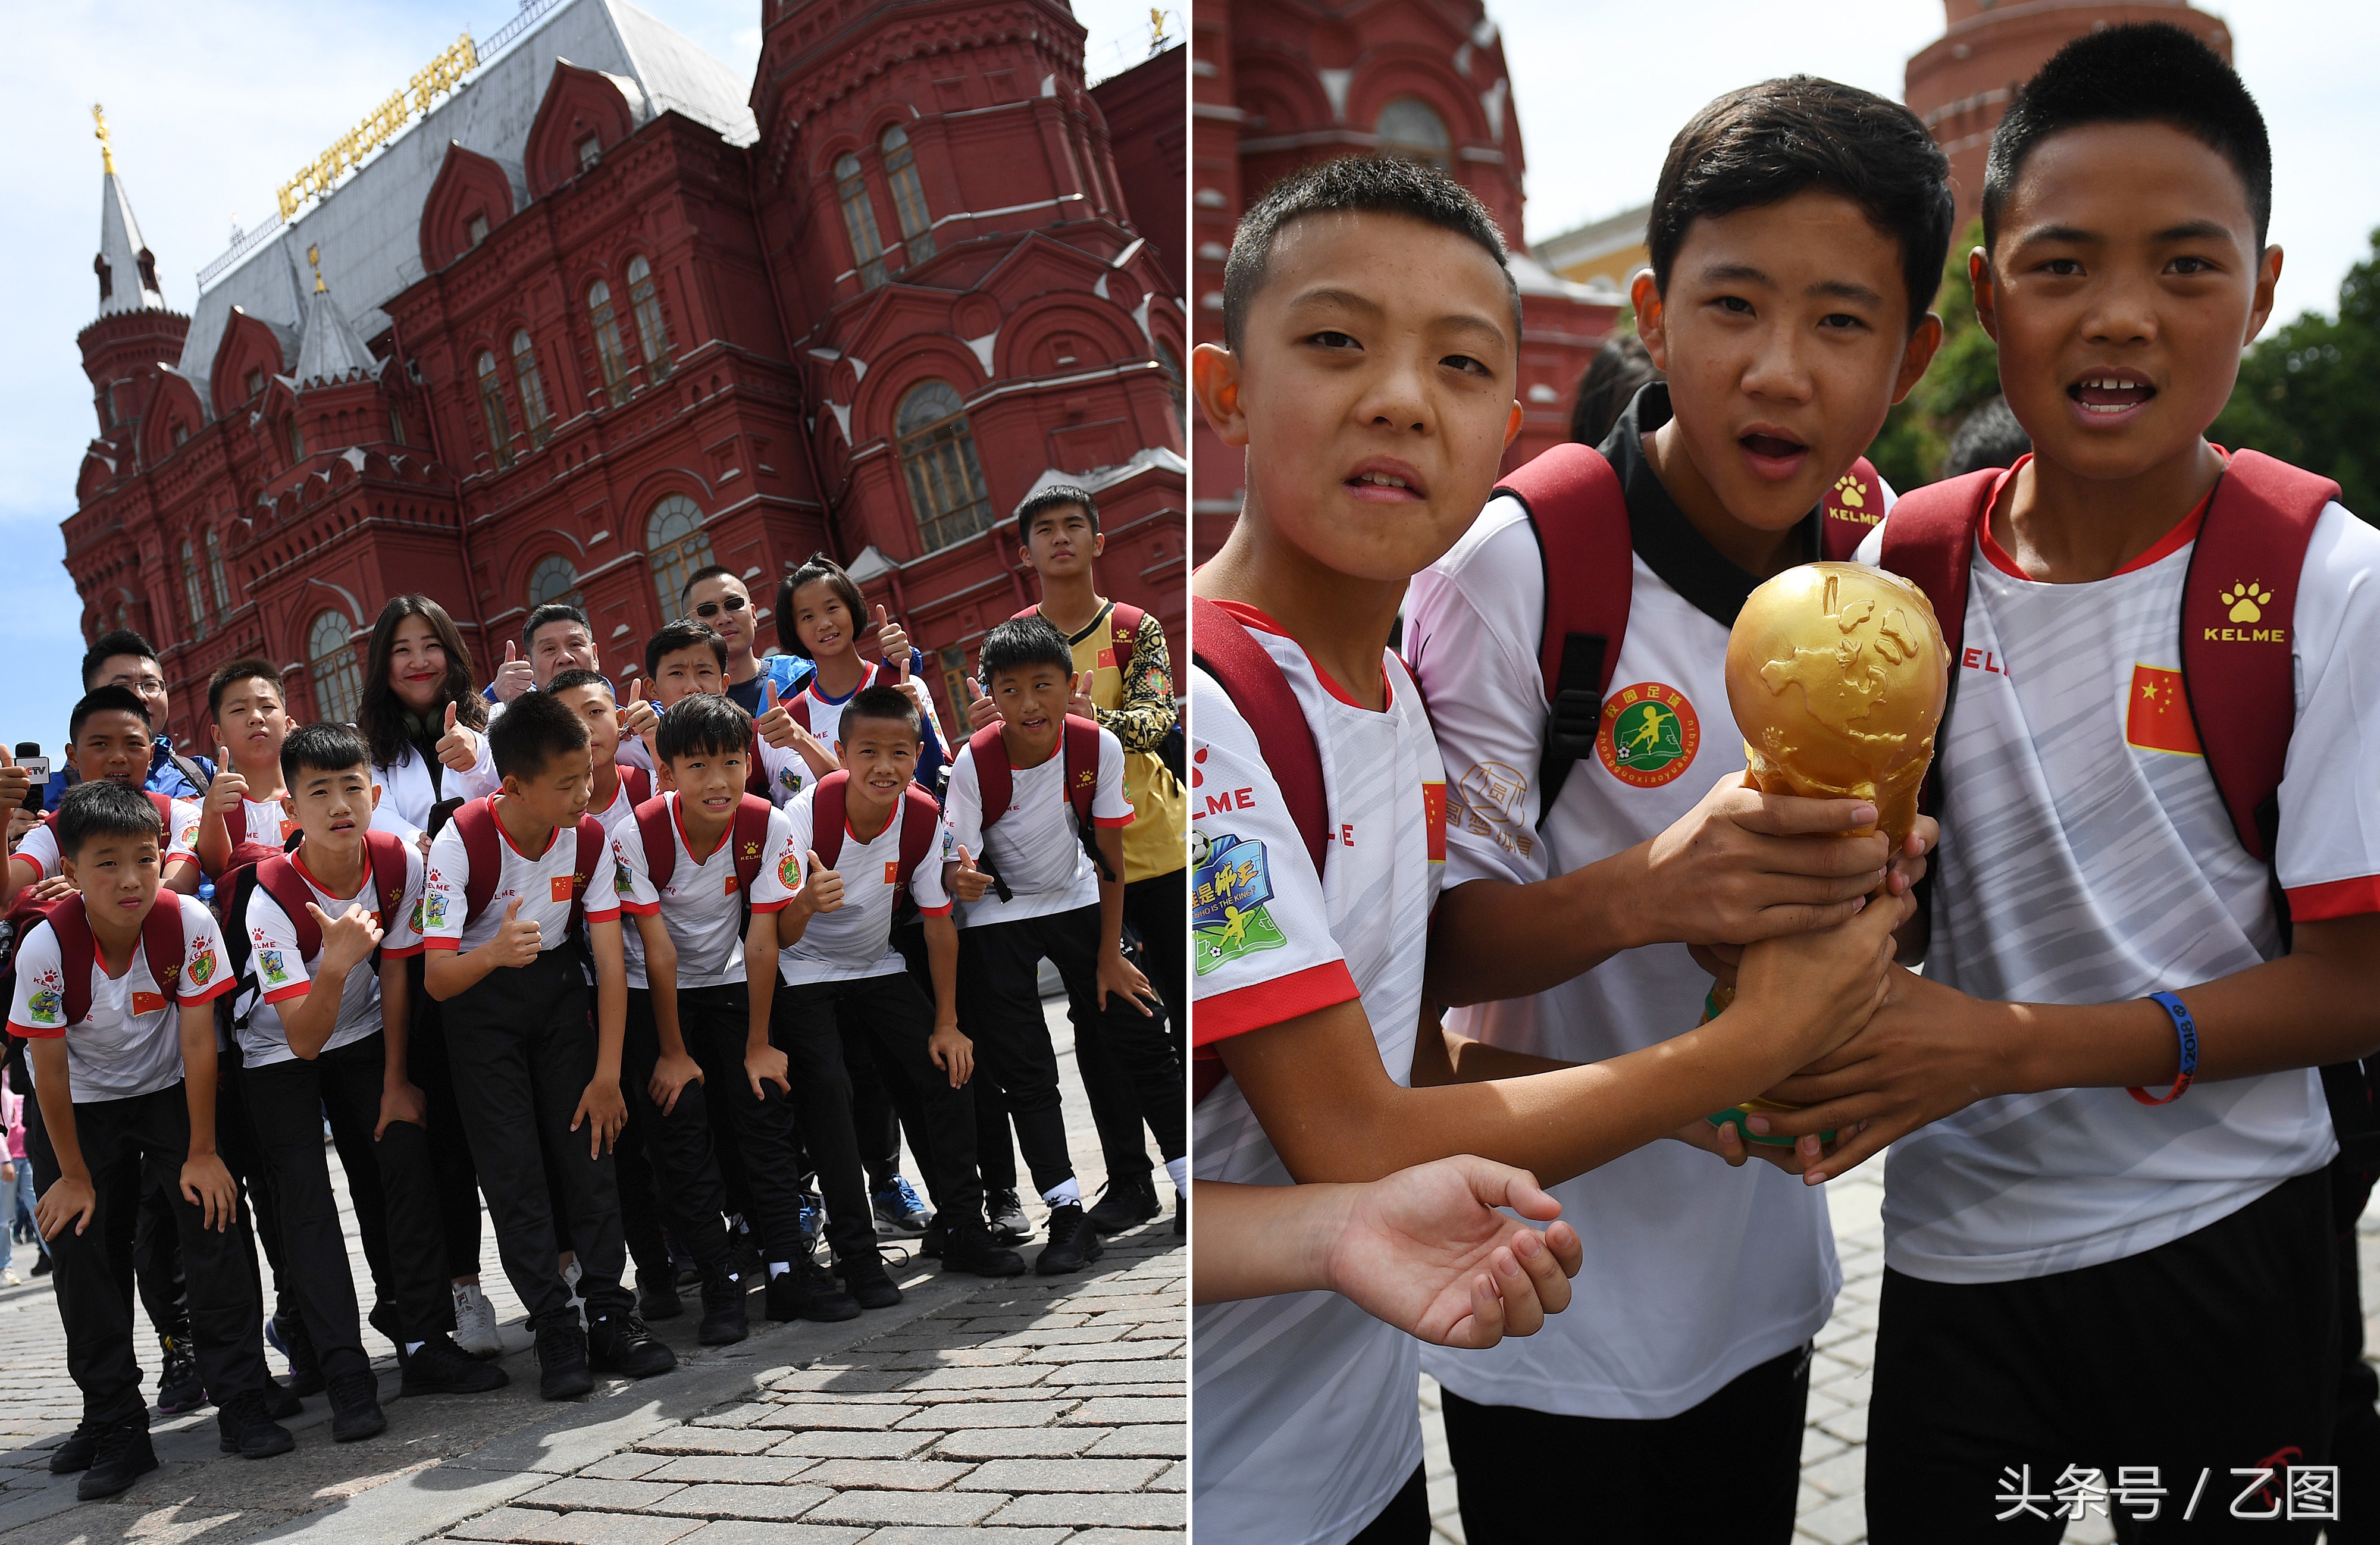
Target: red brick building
column 1961, row 83
column 1276, row 84
column 612, row 312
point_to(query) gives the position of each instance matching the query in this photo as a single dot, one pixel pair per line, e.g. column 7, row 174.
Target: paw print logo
column 1850, row 493
column 1198, row 767
column 2247, row 601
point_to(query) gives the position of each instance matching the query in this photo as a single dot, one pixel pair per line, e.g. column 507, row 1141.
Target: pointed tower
column 328, row 352
column 134, row 332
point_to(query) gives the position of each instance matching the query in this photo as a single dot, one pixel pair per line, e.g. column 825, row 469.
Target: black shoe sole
column 265, row 1448
column 829, row 1314
column 643, row 1368
column 569, row 1387
column 1117, row 1225
column 724, row 1333
column 93, row 1486
column 410, row 1387
column 370, row 1427
column 883, row 1296
column 1054, row 1262
column 970, row 1266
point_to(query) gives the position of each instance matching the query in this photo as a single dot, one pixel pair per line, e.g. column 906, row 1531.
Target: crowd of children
column 662, row 979
column 2118, row 1217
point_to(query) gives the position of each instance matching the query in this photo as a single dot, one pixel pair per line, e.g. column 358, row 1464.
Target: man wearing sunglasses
column 715, row 597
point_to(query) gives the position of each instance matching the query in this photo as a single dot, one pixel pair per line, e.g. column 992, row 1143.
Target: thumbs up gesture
column 348, row 938
column 458, row 748
column 776, row 721
column 966, row 883
column 228, row 788
column 980, row 711
column 1079, row 702
column 15, row 783
column 893, row 643
column 517, row 938
column 823, row 889
column 515, row 676
column 637, row 716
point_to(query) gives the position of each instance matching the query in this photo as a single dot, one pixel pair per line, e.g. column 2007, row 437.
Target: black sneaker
column 1126, row 1203
column 1181, row 1215
column 930, row 1244
column 179, row 1387
column 42, row 1264
column 355, row 1407
column 806, row 1290
column 723, row 1318
column 74, row 1454
column 1073, row 1243
column 287, row 1334
column 900, row 1214
column 1008, row 1224
column 121, row 1456
column 281, row 1402
column 971, row 1248
column 868, row 1281
column 622, row 1343
column 657, row 1294
column 439, row 1366
column 242, row 1427
column 563, row 1373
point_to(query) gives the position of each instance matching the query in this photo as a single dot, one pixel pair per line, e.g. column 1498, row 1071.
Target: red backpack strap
column 992, row 774
column 2235, row 650
column 1250, row 677
column 1123, row 632
column 235, row 824
column 1082, row 764
column 1580, row 515
column 827, row 816
column 1850, row 510
column 798, row 705
column 653, row 820
column 385, row 851
column 279, row 879
column 162, row 938
column 756, row 773
column 921, row 822
column 1929, row 541
column 483, row 850
column 638, row 782
column 593, row 841
column 77, row 952
column 750, row 834
column 164, row 803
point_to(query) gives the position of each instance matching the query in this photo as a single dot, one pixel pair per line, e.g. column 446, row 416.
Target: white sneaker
column 8, row 1277
column 474, row 1323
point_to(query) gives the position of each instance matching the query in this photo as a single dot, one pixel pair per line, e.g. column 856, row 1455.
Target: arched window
column 677, row 545
column 1166, row 358
column 908, row 195
column 395, row 424
column 650, row 334
column 215, row 573
column 860, row 219
column 196, row 597
column 1410, row 128
column 339, row 680
column 297, row 437
column 532, row 388
column 607, row 341
column 937, row 451
column 492, row 409
column 555, row 577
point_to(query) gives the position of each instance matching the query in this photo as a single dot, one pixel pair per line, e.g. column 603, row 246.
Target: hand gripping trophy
column 1836, row 673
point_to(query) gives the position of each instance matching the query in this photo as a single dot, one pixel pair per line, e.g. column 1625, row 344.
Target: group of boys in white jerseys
column 2115, row 1240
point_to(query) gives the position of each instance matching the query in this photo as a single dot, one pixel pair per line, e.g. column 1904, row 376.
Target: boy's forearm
column 1263, row 1240
column 1111, row 841
column 447, row 974
column 395, row 1015
column 661, row 981
column 1491, row 939
column 611, row 1000
column 760, row 976
column 54, row 1088
column 182, row 875
column 199, row 1076
column 943, row 966
column 309, row 1022
column 214, row 845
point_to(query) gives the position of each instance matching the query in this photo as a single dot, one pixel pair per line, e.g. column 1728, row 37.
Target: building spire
column 126, row 270
column 106, row 150
column 329, row 351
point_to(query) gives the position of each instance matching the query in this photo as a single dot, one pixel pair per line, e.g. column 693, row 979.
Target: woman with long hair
column 422, row 715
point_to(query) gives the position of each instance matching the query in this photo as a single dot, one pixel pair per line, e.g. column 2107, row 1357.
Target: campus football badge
column 789, row 871
column 48, row 1003
column 268, row 960
column 1649, row 733
column 1228, row 917
column 202, row 966
column 433, row 907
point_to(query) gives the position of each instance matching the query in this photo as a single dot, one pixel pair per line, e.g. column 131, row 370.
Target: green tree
column 2309, row 392
column 1965, row 373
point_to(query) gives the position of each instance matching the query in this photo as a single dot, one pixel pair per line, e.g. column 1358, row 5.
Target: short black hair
column 106, row 700
column 324, row 749
column 531, row 731
column 1762, row 144
column 817, row 568
column 105, row 809
column 577, row 676
column 685, row 633
column 546, row 615
column 1050, row 498
column 2141, row 72
column 1990, row 436
column 888, row 704
column 1619, row 367
column 240, row 669
column 705, row 722
column 1354, row 185
column 709, row 571
column 1022, row 642
column 107, row 646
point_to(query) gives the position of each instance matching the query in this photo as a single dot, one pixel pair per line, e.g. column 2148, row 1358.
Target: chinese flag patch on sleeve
column 2156, row 716
column 1432, row 802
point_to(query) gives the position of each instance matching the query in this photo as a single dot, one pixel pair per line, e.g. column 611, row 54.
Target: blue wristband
column 2187, row 1028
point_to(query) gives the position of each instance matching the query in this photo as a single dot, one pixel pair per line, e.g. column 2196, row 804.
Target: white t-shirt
column 406, row 795
column 543, row 882
column 854, row 941
column 621, row 806
column 269, row 824
column 40, row 845
column 1699, row 1272
column 129, row 1041
column 1033, row 843
column 702, row 908
column 2080, row 864
column 1307, row 1426
column 282, row 973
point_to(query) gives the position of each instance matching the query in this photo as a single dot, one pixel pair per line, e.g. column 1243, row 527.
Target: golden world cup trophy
column 1836, row 673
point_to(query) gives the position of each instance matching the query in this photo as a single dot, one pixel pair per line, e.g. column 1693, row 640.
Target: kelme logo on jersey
column 2245, row 604
column 1228, row 918
column 1649, row 733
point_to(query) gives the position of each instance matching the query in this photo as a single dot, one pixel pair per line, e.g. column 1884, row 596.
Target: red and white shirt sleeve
column 2329, row 848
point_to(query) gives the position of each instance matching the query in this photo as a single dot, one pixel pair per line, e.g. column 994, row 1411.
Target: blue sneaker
column 900, row 1213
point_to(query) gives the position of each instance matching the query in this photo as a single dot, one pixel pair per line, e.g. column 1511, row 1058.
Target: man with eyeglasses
column 717, row 597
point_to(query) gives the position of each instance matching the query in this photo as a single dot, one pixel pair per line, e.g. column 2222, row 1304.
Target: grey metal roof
column 330, row 350
column 368, row 227
column 119, row 247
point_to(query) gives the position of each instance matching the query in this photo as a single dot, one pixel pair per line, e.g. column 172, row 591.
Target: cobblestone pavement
column 1030, row 1410
column 1832, row 1509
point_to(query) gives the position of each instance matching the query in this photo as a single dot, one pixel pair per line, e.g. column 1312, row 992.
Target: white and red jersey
column 40, row 845
column 542, row 880
column 270, row 824
column 285, row 975
column 129, row 1041
column 2087, row 857
column 1035, row 843
column 1306, row 1424
column 854, row 941
column 703, row 906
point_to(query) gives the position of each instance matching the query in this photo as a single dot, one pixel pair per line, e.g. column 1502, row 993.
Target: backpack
column 799, row 704
column 2242, row 701
column 1225, row 650
column 638, row 782
column 483, row 847
column 921, row 822
column 749, row 830
column 245, row 850
column 1579, row 513
column 1124, row 633
column 277, row 876
column 1080, row 749
column 161, row 940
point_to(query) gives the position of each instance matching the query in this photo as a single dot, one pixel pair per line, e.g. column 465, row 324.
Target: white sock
column 778, row 1268
column 1180, row 1170
column 1064, row 1194
column 413, row 1346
